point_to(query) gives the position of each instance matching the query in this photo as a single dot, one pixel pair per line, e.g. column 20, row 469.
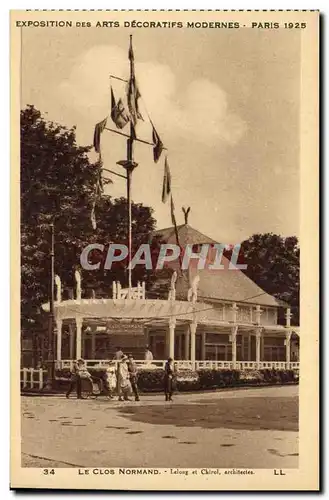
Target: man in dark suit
column 132, row 368
column 75, row 381
column 168, row 379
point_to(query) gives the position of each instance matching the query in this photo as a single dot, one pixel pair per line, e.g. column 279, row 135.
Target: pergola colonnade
column 169, row 322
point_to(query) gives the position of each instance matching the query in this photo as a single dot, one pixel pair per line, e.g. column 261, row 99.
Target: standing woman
column 168, row 379
column 124, row 385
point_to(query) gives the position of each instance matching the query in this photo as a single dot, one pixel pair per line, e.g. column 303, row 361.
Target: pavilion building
column 208, row 318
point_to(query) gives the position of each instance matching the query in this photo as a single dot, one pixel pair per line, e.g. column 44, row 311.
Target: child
column 132, row 368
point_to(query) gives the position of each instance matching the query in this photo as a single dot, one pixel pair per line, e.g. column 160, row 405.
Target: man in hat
column 168, row 379
column 118, row 354
column 78, row 373
column 132, row 368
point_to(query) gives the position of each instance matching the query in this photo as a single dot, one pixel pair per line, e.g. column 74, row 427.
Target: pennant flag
column 97, row 194
column 173, row 221
column 133, row 90
column 118, row 112
column 99, row 128
column 166, row 186
column 93, row 216
column 133, row 132
column 158, row 144
column 172, row 212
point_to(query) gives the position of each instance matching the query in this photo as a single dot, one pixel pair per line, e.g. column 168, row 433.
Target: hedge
column 152, row 380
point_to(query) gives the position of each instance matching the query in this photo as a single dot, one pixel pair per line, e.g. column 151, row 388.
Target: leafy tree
column 273, row 263
column 58, row 186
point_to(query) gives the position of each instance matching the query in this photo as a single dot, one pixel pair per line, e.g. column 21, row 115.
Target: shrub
column 251, row 377
column 152, row 380
column 187, row 380
column 212, row 378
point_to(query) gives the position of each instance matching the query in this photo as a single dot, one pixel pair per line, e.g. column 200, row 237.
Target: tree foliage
column 58, row 186
column 273, row 263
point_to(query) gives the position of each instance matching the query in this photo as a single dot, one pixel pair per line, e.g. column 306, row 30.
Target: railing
column 32, row 377
column 188, row 364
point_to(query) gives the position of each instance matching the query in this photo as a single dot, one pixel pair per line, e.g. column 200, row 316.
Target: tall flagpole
column 129, row 165
column 129, row 169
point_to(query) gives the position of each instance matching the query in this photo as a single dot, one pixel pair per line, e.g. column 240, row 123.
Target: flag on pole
column 172, row 213
column 166, row 186
column 173, row 221
column 119, row 114
column 158, row 144
column 99, row 128
column 98, row 191
column 133, row 90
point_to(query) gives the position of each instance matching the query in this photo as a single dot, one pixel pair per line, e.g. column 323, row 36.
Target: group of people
column 121, row 376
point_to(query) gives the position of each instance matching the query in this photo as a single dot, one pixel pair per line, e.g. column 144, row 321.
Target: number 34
column 48, row 471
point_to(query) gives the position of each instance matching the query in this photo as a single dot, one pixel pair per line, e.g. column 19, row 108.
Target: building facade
column 208, row 318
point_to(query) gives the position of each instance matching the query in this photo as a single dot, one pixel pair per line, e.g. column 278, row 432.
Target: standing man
column 148, row 356
column 118, row 354
column 132, row 368
column 168, row 379
column 78, row 369
column 117, row 357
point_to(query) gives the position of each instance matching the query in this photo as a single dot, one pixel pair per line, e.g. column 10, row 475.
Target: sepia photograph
column 158, row 177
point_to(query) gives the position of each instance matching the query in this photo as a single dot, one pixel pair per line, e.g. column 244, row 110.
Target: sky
column 224, row 102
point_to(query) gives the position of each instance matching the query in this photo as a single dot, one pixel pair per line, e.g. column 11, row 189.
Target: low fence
column 192, row 365
column 33, row 378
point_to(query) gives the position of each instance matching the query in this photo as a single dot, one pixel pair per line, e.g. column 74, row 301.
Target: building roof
column 221, row 284
column 186, row 235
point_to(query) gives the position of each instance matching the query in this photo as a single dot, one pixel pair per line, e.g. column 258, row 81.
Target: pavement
column 254, row 428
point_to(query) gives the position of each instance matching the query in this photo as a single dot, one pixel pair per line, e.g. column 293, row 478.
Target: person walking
column 124, row 385
column 132, row 368
column 118, row 354
column 79, row 369
column 168, row 379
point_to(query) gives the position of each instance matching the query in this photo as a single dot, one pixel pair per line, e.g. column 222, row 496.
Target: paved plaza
column 251, row 428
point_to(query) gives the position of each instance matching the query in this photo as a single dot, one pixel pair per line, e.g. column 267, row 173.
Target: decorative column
column 249, row 346
column 187, row 344
column 172, row 325
column 258, row 315
column 93, row 343
column 287, row 343
column 78, row 322
column 71, row 330
column 233, row 340
column 59, row 324
column 203, row 346
column 235, row 312
column 193, row 326
column 288, row 317
column 258, row 340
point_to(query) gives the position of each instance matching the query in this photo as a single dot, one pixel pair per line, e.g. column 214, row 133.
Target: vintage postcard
column 164, row 176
